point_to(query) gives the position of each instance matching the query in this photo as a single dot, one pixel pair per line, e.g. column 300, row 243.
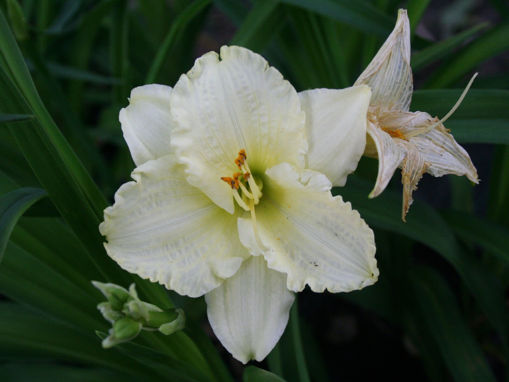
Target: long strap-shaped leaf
column 72, row 165
column 12, row 206
column 426, row 226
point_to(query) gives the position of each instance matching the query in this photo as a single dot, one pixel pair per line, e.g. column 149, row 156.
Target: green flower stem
column 297, row 343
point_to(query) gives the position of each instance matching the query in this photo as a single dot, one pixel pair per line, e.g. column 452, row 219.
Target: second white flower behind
column 231, row 197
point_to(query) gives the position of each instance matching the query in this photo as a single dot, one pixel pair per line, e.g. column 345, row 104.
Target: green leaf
column 443, row 48
column 416, row 9
column 234, row 9
column 17, row 18
column 485, row 104
column 40, row 372
column 59, row 183
column 24, row 333
column 12, row 206
column 495, row 131
column 14, row 117
column 300, row 357
column 179, row 24
column 68, row 72
column 255, row 374
column 489, row 235
column 359, row 14
column 71, row 164
column 499, row 187
column 487, row 46
column 483, row 117
column 119, row 43
column 426, row 226
column 83, row 46
column 251, row 32
column 442, row 319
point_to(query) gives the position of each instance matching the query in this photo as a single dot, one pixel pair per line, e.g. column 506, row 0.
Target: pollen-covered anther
column 233, row 182
column 246, row 191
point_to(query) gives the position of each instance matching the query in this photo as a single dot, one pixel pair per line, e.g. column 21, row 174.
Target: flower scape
column 231, row 194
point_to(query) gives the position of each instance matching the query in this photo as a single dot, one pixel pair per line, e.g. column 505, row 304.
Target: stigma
column 246, row 191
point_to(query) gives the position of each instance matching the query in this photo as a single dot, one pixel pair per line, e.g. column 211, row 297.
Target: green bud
column 139, row 310
column 116, row 295
column 17, row 19
column 108, row 312
column 125, row 329
column 178, row 323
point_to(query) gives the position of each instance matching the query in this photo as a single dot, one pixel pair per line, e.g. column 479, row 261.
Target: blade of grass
column 83, row 45
column 359, row 14
column 118, row 50
column 297, row 342
column 443, row 48
column 255, row 374
column 416, row 9
column 491, row 236
column 478, row 104
column 495, row 131
column 193, row 10
column 437, row 306
column 427, row 227
column 21, row 76
column 499, row 187
column 14, row 117
column 12, row 206
column 254, row 25
column 487, row 46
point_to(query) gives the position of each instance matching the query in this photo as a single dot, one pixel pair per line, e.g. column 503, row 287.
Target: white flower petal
column 444, row 155
column 336, row 129
column 314, row 238
column 249, row 311
column 390, row 155
column 389, row 74
column 233, row 102
column 163, row 229
column 146, row 122
column 412, row 170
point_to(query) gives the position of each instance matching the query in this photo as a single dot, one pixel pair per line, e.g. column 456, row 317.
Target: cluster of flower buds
column 129, row 315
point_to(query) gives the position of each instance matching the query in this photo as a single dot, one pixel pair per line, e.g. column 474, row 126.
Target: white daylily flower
column 227, row 200
column 413, row 141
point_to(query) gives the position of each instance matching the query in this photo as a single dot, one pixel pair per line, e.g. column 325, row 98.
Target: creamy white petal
column 165, row 230
column 231, row 102
column 389, row 74
column 249, row 311
column 390, row 155
column 146, row 122
column 444, row 155
column 336, row 129
column 412, row 170
column 314, row 238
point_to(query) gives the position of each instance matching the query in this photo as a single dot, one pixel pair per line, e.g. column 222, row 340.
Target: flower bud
column 123, row 330
column 129, row 315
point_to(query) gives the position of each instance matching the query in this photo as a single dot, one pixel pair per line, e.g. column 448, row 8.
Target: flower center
column 246, row 189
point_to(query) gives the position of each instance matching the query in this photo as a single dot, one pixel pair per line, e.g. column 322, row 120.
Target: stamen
column 245, row 189
column 255, row 226
column 451, row 112
column 257, row 194
column 239, row 200
column 233, row 182
column 460, row 100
